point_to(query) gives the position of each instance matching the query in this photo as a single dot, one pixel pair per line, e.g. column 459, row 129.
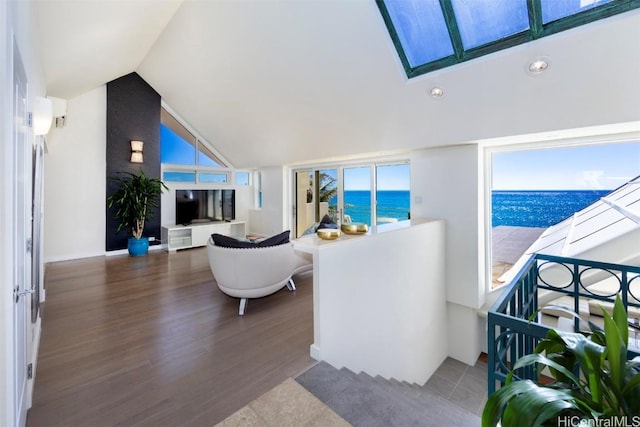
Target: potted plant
column 135, row 201
column 604, row 390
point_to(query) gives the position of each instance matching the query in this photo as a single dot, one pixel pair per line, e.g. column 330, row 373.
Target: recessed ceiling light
column 538, row 66
column 436, row 92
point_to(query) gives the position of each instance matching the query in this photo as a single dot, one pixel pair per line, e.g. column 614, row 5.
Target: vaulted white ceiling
column 272, row 82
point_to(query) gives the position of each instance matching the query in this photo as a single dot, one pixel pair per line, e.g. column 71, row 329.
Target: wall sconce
column 136, row 151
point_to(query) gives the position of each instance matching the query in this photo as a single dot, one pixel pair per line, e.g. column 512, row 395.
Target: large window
column 392, row 193
column 357, row 194
column 375, row 193
column 536, row 191
column 433, row 34
column 185, row 157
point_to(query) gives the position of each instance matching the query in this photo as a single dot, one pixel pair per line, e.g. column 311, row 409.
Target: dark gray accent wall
column 133, row 113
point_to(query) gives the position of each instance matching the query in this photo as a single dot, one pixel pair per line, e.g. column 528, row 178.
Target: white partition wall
column 445, row 184
column 379, row 300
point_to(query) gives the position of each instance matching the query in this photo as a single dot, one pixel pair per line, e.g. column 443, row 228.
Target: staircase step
column 363, row 400
column 348, row 372
column 325, row 381
column 403, row 387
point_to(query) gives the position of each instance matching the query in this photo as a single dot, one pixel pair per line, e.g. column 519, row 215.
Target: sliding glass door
column 371, row 194
column 357, row 194
column 304, row 212
column 392, row 193
column 316, row 195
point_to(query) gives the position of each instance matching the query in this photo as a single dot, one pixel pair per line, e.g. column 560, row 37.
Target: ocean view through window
column 533, row 190
column 375, row 193
column 526, row 208
column 393, row 205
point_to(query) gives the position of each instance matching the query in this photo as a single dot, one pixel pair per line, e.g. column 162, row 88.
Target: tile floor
column 288, row 404
column 464, row 385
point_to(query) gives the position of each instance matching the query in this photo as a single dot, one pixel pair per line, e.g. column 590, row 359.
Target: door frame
column 19, row 335
column 6, row 222
column 21, row 237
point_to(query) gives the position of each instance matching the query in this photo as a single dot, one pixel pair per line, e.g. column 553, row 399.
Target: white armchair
column 255, row 272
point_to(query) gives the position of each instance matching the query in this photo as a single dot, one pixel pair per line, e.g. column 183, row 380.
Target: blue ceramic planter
column 138, row 247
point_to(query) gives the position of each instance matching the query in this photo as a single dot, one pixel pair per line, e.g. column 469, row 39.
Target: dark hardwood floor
column 152, row 341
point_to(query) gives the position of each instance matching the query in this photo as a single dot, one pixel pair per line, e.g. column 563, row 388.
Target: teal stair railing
column 515, row 323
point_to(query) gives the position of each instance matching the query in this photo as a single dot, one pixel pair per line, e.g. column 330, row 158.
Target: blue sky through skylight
column 553, row 10
column 485, row 21
column 432, row 34
column 421, row 29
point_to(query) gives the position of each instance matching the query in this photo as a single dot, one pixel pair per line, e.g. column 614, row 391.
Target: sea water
column 393, row 205
column 539, row 208
column 515, row 208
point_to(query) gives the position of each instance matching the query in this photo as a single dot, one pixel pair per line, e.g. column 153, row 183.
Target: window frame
column 225, row 167
column 537, row 29
column 198, row 141
column 247, row 173
column 197, row 170
column 569, row 139
column 340, row 167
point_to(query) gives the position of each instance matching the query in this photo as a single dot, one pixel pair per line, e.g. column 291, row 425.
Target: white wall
column 446, row 180
column 378, row 309
column 75, row 181
column 244, row 202
column 272, row 218
column 445, row 183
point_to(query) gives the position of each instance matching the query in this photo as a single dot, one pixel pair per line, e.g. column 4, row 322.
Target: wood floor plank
column 152, row 341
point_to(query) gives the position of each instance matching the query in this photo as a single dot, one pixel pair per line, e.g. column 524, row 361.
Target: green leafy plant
column 605, row 387
column 135, row 200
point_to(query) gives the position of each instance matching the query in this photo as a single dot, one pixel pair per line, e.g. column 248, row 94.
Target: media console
column 176, row 237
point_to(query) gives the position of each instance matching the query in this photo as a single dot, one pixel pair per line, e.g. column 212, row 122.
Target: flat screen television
column 194, row 206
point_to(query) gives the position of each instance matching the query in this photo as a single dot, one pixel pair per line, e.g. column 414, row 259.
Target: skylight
column 433, row 34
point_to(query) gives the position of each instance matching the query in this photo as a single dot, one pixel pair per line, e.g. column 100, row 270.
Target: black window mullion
column 535, row 18
column 452, row 27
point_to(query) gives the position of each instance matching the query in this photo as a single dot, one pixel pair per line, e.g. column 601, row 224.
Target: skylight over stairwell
column 484, row 21
column 415, row 22
column 433, row 34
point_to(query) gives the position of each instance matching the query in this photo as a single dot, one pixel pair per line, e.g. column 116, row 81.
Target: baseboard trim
column 314, row 352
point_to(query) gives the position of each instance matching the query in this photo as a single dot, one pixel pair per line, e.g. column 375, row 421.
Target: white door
column 21, row 240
